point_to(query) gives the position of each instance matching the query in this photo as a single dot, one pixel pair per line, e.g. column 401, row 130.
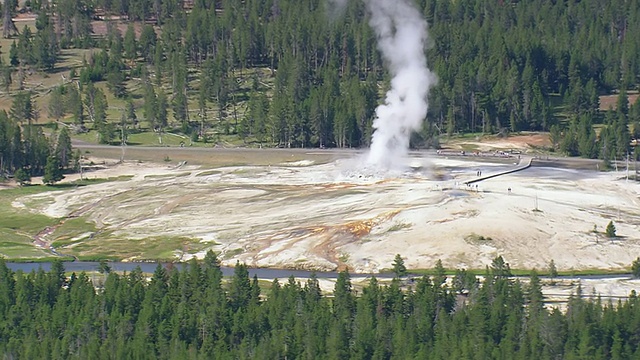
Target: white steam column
column 402, row 35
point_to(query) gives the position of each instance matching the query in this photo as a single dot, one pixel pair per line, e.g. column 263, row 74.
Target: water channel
column 262, row 273
column 150, row 267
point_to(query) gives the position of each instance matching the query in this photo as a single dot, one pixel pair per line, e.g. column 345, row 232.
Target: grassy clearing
column 21, row 220
column 21, row 251
column 209, row 173
column 265, row 285
column 217, row 129
column 104, row 180
column 90, row 137
column 213, row 157
column 43, row 259
column 476, row 239
column 231, row 253
column 400, row 226
column 17, row 246
column 92, row 181
column 71, row 229
column 470, row 147
column 163, row 248
column 18, row 226
column 467, row 136
column 167, row 176
column 153, row 139
column 6, row 43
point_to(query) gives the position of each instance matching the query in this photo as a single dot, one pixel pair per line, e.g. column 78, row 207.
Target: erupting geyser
column 402, row 35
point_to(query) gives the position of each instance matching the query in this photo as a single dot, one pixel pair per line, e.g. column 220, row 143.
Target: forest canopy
column 297, row 74
column 196, row 313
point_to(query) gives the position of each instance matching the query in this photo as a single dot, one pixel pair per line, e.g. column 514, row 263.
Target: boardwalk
column 525, row 163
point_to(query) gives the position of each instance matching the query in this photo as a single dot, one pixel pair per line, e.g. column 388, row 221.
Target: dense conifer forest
column 301, row 74
column 195, row 313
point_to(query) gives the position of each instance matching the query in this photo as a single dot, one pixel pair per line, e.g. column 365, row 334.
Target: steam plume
column 402, row 34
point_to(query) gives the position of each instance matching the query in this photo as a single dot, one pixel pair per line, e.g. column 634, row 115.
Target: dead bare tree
column 8, row 27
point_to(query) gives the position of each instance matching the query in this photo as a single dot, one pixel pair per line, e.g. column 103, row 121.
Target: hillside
column 297, row 74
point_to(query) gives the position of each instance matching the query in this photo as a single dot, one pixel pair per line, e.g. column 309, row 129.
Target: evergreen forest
column 298, row 73
column 195, row 313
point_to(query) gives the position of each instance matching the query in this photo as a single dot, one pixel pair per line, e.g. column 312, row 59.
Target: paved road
column 88, row 146
column 544, row 161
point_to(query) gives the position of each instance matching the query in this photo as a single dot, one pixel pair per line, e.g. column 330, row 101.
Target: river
column 262, row 273
column 150, row 267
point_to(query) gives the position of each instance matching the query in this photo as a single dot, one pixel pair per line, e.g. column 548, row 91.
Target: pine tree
column 240, row 291
column 129, row 44
column 500, row 268
column 103, row 267
column 343, row 298
column 399, row 269
column 56, row 106
column 22, row 108
column 116, row 84
column 74, row 105
column 622, row 105
column 130, row 112
column 25, row 47
column 150, row 107
column 5, row 76
column 635, row 268
column 162, row 110
column 13, row 54
column 610, row 231
column 45, row 44
column 8, row 26
column 63, row 147
column 147, row 43
column 22, row 176
column 440, row 275
column 179, row 107
column 553, row 271
column 52, row 171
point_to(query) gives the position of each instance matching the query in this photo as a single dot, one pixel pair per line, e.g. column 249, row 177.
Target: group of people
column 475, row 187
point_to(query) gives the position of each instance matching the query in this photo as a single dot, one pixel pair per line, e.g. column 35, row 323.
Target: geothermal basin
column 322, row 212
